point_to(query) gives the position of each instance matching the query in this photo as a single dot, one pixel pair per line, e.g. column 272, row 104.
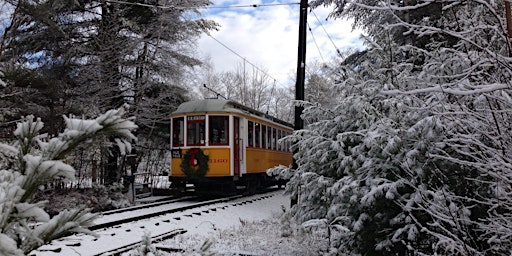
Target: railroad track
column 122, row 231
column 152, row 210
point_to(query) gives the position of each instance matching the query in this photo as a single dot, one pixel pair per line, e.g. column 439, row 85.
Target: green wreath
column 195, row 163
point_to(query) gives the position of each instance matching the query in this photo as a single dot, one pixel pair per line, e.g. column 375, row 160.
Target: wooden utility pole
column 299, row 83
column 301, row 64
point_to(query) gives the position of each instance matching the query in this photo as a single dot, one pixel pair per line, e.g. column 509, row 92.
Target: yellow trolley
column 220, row 145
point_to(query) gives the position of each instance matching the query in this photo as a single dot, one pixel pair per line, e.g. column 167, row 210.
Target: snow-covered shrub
column 98, row 198
column 31, row 162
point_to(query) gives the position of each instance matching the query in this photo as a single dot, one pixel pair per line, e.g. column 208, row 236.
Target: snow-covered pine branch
column 30, row 163
column 459, row 91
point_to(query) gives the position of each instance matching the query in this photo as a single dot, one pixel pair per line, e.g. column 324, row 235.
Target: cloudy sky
column 267, row 36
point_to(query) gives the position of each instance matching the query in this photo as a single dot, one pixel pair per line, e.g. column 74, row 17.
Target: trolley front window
column 195, row 130
column 219, row 130
column 178, row 129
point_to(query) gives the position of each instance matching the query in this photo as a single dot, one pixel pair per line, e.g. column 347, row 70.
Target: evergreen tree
column 85, row 57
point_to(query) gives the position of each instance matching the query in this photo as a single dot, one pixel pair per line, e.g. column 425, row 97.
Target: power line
column 151, row 5
column 316, row 44
column 335, row 47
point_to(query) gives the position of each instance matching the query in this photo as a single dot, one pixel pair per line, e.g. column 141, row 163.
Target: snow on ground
column 264, row 237
column 255, row 229
column 250, row 229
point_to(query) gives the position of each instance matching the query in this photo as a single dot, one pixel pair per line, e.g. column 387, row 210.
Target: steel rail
column 162, row 212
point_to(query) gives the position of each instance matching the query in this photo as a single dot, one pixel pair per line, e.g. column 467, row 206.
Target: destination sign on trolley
column 176, row 153
column 196, row 117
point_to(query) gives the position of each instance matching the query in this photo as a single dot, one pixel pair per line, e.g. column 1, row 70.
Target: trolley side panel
column 218, row 163
column 259, row 160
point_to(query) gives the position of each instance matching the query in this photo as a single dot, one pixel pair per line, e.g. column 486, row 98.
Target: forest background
column 406, row 148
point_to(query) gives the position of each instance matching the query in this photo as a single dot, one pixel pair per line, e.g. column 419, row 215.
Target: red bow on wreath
column 193, row 160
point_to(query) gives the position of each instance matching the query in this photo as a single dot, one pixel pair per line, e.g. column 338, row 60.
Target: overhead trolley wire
column 196, row 7
column 249, row 5
column 243, row 58
column 213, row 7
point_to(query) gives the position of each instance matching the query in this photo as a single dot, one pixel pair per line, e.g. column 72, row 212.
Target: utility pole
column 301, row 64
column 301, row 73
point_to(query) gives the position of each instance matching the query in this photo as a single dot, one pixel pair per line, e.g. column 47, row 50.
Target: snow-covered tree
column 319, row 81
column 35, row 159
column 415, row 157
column 248, row 85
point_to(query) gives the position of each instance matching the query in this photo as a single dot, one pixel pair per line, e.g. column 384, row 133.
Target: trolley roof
column 221, row 105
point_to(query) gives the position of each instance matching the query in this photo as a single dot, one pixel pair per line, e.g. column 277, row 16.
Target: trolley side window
column 269, row 137
column 263, row 136
column 250, row 133
column 279, row 136
column 178, row 131
column 219, row 129
column 288, row 143
column 257, row 135
column 274, row 138
column 195, row 130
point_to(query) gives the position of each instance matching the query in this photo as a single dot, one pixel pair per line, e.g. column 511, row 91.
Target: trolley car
column 220, row 145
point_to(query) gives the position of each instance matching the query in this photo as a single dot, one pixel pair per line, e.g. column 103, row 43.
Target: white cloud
column 267, row 36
